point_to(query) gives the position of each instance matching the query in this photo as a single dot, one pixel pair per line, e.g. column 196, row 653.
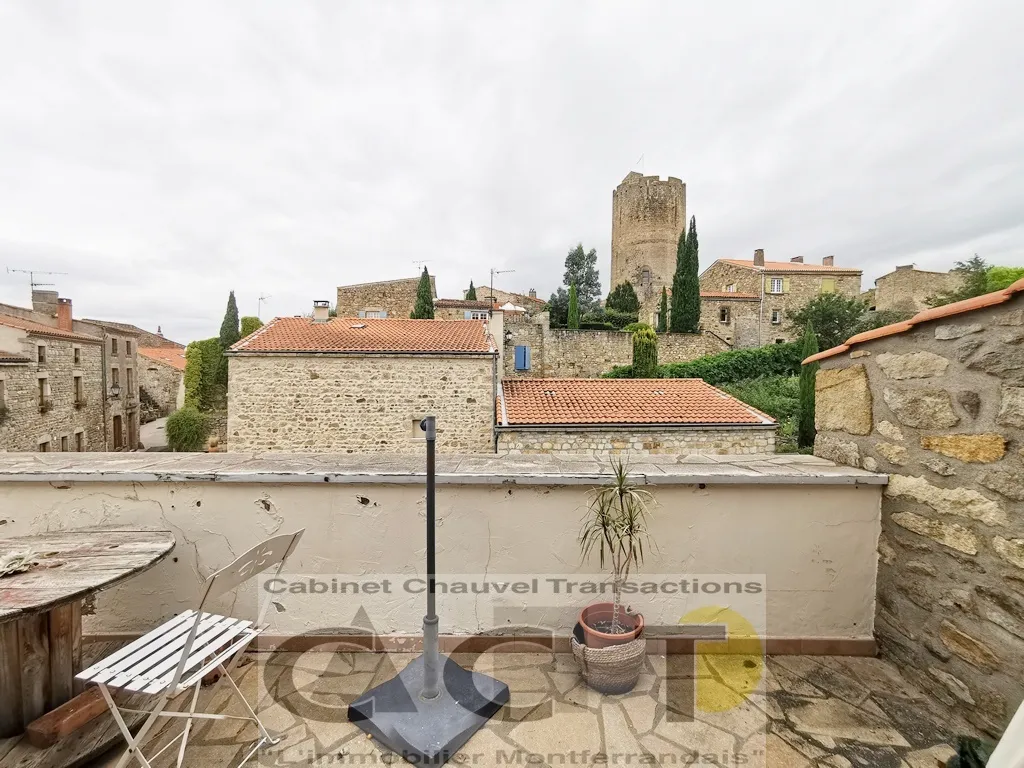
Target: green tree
column 558, row 308
column 573, row 320
column 581, row 271
column 424, row 309
column 834, row 317
column 229, row 333
column 685, row 317
column 805, row 429
column 250, row 324
column 623, row 298
column 187, row 429
column 645, row 353
column 663, row 312
column 973, row 275
column 471, row 293
column 998, row 278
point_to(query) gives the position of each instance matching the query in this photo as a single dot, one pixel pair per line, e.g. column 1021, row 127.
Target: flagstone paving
column 804, row 712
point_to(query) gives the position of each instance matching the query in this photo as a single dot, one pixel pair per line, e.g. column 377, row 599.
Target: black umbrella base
column 430, row 731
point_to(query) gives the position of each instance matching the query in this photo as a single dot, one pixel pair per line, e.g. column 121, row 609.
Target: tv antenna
column 420, row 263
column 33, row 283
column 497, row 272
column 260, row 301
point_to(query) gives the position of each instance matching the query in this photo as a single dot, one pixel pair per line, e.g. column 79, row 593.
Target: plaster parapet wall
column 636, row 440
column 812, row 531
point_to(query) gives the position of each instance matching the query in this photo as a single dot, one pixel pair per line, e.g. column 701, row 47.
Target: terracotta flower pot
column 633, row 624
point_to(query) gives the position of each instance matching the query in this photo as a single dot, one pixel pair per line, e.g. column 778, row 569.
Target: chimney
column 797, row 260
column 902, row 267
column 64, row 315
column 533, row 293
column 828, row 261
column 321, row 311
column 44, row 302
column 159, row 331
column 759, row 257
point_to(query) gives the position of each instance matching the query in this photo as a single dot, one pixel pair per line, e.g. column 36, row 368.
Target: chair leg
column 188, row 723
column 133, row 741
column 264, row 733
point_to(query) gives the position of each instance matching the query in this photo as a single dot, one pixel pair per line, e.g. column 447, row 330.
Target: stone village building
column 937, row 403
column 383, row 299
column 161, row 380
column 638, row 417
column 906, row 289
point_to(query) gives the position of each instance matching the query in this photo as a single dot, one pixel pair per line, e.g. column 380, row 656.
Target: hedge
column 204, row 386
column 187, row 429
column 727, row 367
column 250, row 324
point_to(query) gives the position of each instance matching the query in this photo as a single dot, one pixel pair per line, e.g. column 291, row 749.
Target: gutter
column 358, row 353
column 631, row 425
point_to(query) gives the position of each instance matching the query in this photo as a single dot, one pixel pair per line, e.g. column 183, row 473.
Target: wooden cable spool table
column 41, row 610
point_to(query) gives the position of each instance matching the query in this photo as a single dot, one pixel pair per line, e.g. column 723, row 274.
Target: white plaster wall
column 815, row 544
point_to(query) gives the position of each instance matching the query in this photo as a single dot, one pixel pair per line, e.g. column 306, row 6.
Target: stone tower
column 648, row 215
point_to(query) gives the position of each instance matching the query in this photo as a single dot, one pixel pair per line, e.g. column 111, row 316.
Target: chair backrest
column 265, row 555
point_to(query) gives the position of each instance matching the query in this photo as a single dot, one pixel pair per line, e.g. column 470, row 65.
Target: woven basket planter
column 614, row 669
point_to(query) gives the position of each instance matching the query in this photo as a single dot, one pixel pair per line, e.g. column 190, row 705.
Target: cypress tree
column 805, row 428
column 675, row 319
column 471, row 293
column 574, row 308
column 424, row 309
column 663, row 312
column 686, row 305
column 229, row 333
column 645, row 354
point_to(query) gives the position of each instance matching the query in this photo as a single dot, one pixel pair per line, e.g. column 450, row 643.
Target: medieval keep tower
column 648, row 215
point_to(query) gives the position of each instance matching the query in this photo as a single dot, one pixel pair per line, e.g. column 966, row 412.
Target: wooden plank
column 77, row 686
column 62, row 652
column 10, row 681
column 47, row 730
column 34, row 642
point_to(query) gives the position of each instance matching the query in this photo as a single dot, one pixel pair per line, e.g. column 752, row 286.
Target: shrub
column 634, row 327
column 805, row 430
column 612, row 317
column 250, row 325
column 779, row 397
column 594, row 326
column 645, row 354
column 623, row 298
column 204, row 381
column 732, row 366
column 187, row 430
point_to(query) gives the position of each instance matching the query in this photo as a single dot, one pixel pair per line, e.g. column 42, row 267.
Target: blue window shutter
column 520, row 358
column 468, row 314
column 527, row 366
column 362, row 313
column 383, row 313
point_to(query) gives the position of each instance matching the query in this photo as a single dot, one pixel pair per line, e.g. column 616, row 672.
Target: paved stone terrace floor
column 807, row 711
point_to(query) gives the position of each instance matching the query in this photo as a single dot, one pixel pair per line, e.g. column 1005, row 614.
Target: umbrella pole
column 430, row 652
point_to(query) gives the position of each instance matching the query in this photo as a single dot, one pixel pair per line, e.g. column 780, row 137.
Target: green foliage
column 805, row 430
column 779, row 397
column 624, row 299
column 596, row 325
column 835, row 318
column 558, row 308
column 973, row 275
column 204, row 383
column 634, row 327
column 730, row 367
column 229, row 326
column 663, row 312
column 998, row 278
column 193, row 374
column 424, row 309
column 685, row 317
column 250, row 325
column 645, row 353
column 187, row 429
column 471, row 293
column 612, row 317
column 581, row 271
column 573, row 320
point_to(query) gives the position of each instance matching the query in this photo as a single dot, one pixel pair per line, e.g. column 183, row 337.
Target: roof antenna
column 33, row 283
column 260, row 302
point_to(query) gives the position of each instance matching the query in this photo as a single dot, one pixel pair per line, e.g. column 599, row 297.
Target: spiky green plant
column 645, row 353
column 616, row 526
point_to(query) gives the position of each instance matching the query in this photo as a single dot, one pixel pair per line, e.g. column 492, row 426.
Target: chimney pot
column 797, row 260
column 759, row 257
column 64, row 319
column 828, row 261
column 321, row 311
column 902, row 267
column 533, row 293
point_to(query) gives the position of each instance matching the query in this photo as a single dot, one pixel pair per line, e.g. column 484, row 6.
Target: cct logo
column 728, row 661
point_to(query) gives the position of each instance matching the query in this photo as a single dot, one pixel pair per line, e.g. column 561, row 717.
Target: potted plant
column 609, row 644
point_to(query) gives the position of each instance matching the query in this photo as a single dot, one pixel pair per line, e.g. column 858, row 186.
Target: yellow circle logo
column 727, row 671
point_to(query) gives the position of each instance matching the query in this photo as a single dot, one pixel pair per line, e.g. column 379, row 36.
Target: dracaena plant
column 616, row 527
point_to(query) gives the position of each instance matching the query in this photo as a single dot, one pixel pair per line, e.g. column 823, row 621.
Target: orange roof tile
column 172, row 356
column 623, row 401
column 728, row 295
column 39, row 329
column 789, row 266
column 358, row 335
column 463, row 304
column 935, row 313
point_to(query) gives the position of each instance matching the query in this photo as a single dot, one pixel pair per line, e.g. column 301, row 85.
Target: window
column 64, row 443
column 723, row 315
column 828, row 285
column 79, row 441
column 3, row 393
column 118, row 434
column 127, row 348
column 475, row 314
column 730, row 288
column 77, row 352
column 115, row 376
column 41, row 353
column 42, row 393
column 44, row 447
column 645, row 277
column 522, row 358
column 129, row 375
column 113, row 345
column 378, row 314
column 777, row 285
column 79, row 394
column 776, row 316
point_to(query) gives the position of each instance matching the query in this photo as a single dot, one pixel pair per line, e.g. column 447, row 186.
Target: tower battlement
column 648, row 215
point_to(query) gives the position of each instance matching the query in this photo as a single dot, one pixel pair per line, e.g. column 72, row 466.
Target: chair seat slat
column 135, row 645
column 213, row 663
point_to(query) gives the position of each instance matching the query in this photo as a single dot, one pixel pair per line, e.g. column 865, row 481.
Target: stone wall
column 24, row 428
column 648, row 215
column 351, row 404
column 905, row 289
column 940, row 408
column 396, row 297
column 741, row 326
column 162, row 383
column 560, row 353
column 636, row 441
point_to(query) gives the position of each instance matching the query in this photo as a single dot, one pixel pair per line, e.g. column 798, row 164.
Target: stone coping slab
column 775, row 469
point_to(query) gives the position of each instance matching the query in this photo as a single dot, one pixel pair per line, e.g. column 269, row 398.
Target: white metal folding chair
column 177, row 655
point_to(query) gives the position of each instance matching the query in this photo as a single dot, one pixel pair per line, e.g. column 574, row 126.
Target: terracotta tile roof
column 354, row 335
column 623, row 401
column 728, row 295
column 172, row 356
column 463, row 304
column 38, row 329
column 790, row 266
column 5, row 358
column 935, row 313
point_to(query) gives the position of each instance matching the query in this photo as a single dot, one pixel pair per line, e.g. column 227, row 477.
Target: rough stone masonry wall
column 648, row 215
column 742, row 318
column 24, row 427
column 905, row 290
column 940, row 409
column 637, row 441
column 350, row 404
column 161, row 383
column 396, row 297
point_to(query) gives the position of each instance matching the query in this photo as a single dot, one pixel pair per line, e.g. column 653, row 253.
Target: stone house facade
column 937, row 403
column 638, row 417
column 906, row 289
column 782, row 287
column 341, row 386
column 387, row 298
column 533, row 349
column 461, row 309
column 527, row 301
column 49, row 388
column 161, row 381
column 120, row 383
column 732, row 316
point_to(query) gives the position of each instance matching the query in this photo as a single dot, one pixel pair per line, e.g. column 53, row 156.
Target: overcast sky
column 162, row 154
